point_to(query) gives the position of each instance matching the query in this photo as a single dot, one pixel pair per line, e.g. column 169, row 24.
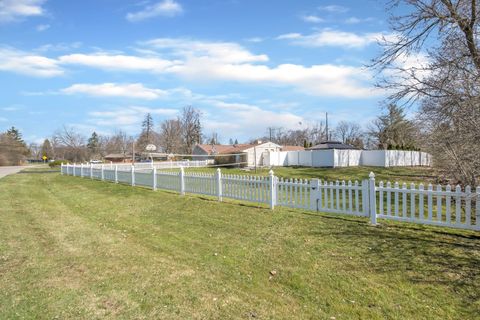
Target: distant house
column 253, row 154
column 120, row 157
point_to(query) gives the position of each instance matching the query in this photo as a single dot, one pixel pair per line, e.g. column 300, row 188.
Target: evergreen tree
column 230, row 141
column 147, row 135
column 47, row 149
column 93, row 144
column 236, row 141
column 15, row 135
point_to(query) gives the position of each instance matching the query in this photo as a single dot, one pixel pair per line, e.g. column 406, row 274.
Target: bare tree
column 434, row 60
column 171, row 136
column 73, row 143
column 191, row 128
column 349, row 132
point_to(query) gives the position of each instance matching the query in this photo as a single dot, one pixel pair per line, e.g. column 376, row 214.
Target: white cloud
column 16, row 61
column 249, row 120
column 220, row 51
column 118, row 62
column 255, row 39
column 333, row 8
column 14, row 10
column 166, row 8
column 42, row 27
column 128, row 116
column 62, row 46
column 355, row 20
column 225, row 61
column 312, row 19
column 333, row 38
column 133, row 90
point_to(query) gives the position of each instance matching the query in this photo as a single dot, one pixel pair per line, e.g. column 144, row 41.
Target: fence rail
column 151, row 165
column 441, row 206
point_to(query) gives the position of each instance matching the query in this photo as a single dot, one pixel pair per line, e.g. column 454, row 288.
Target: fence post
column 74, row 165
column 103, row 174
column 373, row 199
column 61, row 168
column 273, row 189
column 182, row 181
column 314, row 190
column 91, row 171
column 116, row 173
column 133, row 175
column 81, row 170
column 477, row 208
column 154, row 171
column 218, row 177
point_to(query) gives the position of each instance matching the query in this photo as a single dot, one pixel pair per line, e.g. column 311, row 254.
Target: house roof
column 238, row 148
column 117, row 155
column 292, row 148
column 332, row 145
column 120, row 156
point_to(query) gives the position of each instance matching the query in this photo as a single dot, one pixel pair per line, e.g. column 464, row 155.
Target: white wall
column 400, row 158
column 278, row 159
column 323, row 158
column 374, row 158
column 347, row 158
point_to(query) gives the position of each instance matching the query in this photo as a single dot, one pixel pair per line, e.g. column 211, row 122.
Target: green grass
column 400, row 174
column 76, row 248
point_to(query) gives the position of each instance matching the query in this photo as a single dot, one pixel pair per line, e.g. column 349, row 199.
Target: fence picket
column 458, row 204
column 448, row 205
column 404, row 200
column 439, row 203
column 357, row 204
column 396, row 199
column 468, row 205
column 380, row 198
column 430, row 202
column 412, row 201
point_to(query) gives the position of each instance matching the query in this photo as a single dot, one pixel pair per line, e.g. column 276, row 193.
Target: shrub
column 57, row 163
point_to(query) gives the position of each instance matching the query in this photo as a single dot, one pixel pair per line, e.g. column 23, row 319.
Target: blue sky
column 102, row 64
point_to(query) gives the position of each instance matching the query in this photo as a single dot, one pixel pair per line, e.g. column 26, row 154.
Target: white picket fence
column 439, row 206
column 151, row 165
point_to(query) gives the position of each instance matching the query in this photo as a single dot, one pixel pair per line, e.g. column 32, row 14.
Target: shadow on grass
column 424, row 256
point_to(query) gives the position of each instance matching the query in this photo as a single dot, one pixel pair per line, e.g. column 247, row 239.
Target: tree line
column 178, row 135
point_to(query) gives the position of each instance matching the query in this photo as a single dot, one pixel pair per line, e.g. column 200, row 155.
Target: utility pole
column 133, row 152
column 326, row 125
column 271, row 130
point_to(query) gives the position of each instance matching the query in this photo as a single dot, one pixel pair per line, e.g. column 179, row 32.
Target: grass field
column 400, row 174
column 76, row 248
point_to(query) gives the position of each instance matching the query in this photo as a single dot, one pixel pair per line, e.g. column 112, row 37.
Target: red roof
column 238, row 148
column 292, row 148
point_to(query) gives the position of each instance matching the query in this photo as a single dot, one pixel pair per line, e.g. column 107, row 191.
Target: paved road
column 4, row 171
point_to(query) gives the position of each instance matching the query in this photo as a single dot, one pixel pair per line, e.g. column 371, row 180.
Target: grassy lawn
column 400, row 174
column 76, row 248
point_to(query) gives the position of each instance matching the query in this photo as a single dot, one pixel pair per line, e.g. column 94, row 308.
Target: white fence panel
column 200, row 183
column 248, row 188
column 435, row 206
column 168, row 180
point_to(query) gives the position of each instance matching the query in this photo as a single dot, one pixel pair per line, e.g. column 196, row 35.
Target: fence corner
column 372, row 203
column 182, row 181
column 218, row 177
column 314, row 190
column 273, row 189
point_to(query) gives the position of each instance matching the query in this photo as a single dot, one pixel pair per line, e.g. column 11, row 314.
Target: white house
column 255, row 153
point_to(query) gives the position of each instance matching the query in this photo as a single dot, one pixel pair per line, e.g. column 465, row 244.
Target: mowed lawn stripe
column 72, row 247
